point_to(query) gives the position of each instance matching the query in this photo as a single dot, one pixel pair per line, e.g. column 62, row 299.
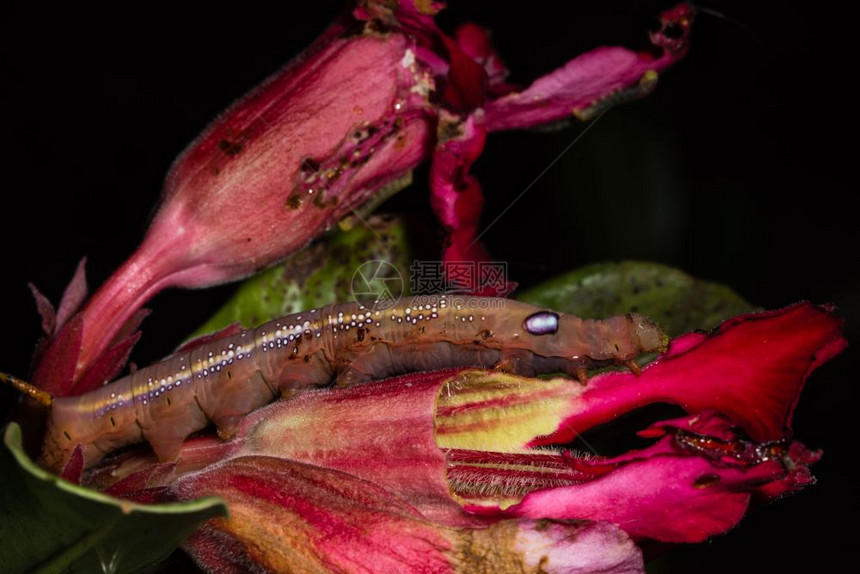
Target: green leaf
column 49, row 525
column 325, row 272
column 678, row 302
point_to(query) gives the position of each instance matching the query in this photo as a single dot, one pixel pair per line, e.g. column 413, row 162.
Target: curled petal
column 674, row 492
column 456, row 194
column 474, row 41
column 594, row 81
column 752, row 369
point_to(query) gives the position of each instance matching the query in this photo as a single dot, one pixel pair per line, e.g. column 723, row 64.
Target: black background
column 736, row 170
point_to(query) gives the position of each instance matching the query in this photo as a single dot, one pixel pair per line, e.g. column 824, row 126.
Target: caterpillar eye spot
column 112, row 422
column 617, row 348
column 168, row 401
column 541, row 323
column 67, row 435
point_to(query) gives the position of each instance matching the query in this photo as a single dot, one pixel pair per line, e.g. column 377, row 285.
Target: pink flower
column 455, row 469
column 380, row 92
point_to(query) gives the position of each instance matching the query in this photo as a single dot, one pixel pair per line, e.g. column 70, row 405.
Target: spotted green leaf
column 678, row 302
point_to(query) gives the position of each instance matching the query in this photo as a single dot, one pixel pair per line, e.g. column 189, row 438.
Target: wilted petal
column 574, row 547
column 594, row 81
column 474, row 41
column 456, row 194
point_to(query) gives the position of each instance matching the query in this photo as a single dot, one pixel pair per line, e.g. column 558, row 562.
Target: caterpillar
column 340, row 344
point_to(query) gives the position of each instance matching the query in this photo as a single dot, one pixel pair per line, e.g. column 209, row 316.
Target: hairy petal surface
column 292, row 517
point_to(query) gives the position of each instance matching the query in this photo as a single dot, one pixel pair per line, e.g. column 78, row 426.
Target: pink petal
column 108, row 365
column 131, row 325
column 75, row 468
column 145, row 486
column 457, row 199
column 55, row 371
column 45, row 309
column 280, row 166
column 288, row 516
column 675, row 493
column 474, row 41
column 465, row 86
column 360, row 431
column 578, row 548
column 74, row 295
column 381, row 432
column 602, row 77
column 276, row 138
column 655, row 498
column 751, row 369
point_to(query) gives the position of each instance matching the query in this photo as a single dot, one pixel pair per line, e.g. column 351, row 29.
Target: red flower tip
column 675, row 26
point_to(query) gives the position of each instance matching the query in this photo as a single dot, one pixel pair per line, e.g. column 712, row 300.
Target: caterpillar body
column 221, row 381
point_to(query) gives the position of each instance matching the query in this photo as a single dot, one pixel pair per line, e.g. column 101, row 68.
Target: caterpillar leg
column 633, row 366
column 516, row 362
column 167, row 451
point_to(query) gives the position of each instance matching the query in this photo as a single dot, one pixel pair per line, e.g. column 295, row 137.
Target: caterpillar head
column 650, row 338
